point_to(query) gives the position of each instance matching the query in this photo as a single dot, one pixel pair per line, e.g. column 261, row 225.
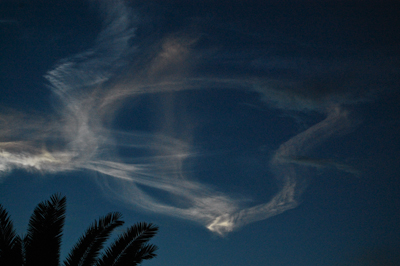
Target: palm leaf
column 135, row 257
column 130, row 247
column 86, row 251
column 18, row 251
column 43, row 240
column 10, row 243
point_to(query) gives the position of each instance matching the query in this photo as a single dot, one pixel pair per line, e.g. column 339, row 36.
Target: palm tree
column 41, row 245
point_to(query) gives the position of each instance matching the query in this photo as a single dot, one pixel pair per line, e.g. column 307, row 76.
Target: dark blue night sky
column 250, row 132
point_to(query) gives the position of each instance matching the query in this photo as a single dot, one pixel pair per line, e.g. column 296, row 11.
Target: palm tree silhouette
column 41, row 245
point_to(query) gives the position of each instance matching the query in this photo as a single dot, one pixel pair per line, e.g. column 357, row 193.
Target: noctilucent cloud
column 210, row 116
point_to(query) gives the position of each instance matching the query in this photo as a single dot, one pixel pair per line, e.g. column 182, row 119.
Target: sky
column 250, row 132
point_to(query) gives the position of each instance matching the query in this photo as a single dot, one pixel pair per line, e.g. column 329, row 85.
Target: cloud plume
column 93, row 86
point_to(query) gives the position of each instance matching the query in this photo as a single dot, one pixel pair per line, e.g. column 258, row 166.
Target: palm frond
column 131, row 246
column 7, row 231
column 43, row 240
column 86, row 251
column 10, row 248
column 17, row 252
column 135, row 257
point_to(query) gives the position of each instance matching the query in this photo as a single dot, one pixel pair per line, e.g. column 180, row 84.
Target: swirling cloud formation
column 92, row 88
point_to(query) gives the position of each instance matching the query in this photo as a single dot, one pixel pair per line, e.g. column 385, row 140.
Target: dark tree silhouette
column 41, row 245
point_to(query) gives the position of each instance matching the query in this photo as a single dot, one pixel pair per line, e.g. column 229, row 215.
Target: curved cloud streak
column 79, row 135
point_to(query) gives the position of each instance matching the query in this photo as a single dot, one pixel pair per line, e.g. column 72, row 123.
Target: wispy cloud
column 322, row 163
column 79, row 135
column 8, row 21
